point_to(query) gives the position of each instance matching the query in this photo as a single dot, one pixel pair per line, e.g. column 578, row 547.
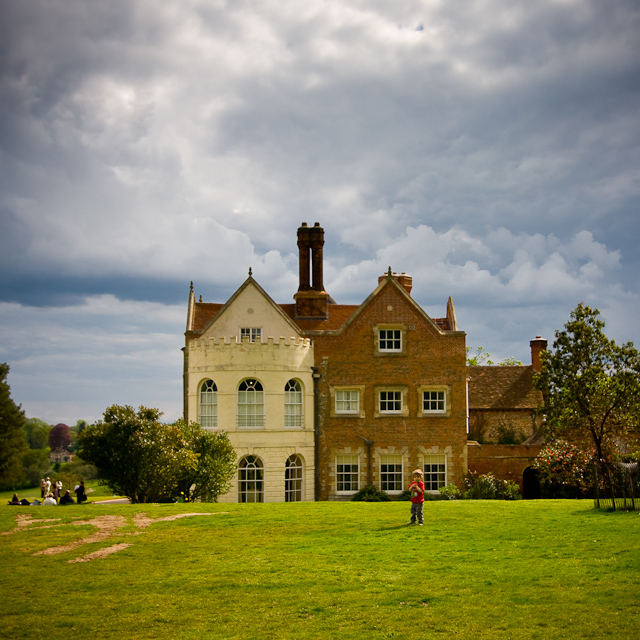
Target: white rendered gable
column 250, row 308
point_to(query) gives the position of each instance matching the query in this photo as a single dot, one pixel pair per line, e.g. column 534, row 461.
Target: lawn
column 481, row 570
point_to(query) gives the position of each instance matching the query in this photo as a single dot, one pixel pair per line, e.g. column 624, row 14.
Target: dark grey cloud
column 489, row 148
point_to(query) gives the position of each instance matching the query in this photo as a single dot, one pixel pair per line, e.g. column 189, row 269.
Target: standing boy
column 417, row 498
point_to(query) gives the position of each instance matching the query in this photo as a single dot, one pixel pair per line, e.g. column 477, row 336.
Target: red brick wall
column 429, row 358
column 505, row 461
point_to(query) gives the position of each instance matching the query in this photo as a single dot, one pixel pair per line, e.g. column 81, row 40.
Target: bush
column 509, row 435
column 451, row 492
column 565, row 471
column 370, row 494
column 488, row 487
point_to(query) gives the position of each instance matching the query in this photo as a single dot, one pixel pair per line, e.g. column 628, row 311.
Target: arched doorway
column 530, row 484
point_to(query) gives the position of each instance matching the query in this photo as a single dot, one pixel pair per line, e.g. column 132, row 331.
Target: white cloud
column 71, row 363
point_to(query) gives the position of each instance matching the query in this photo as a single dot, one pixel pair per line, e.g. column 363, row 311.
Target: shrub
column 488, row 487
column 509, row 435
column 371, row 494
column 565, row 471
column 451, row 492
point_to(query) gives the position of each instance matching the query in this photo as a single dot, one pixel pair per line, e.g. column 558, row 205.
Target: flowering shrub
column 565, row 471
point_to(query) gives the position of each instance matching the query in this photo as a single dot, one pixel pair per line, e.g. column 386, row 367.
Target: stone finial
column 250, row 272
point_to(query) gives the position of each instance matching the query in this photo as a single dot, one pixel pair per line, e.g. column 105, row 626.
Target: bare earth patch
column 107, row 527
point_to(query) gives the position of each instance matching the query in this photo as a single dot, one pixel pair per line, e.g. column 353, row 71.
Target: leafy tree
column 591, row 385
column 140, row 457
column 136, row 455
column 215, row 467
column 37, row 433
column 483, row 357
column 35, row 464
column 12, row 442
column 60, row 436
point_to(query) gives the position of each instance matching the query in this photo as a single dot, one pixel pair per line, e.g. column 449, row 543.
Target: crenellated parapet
column 226, row 342
column 284, row 354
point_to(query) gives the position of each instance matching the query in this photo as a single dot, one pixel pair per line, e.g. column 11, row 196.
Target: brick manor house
column 321, row 399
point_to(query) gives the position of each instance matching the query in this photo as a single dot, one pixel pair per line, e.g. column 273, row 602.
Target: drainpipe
column 369, row 444
column 316, row 434
column 467, row 392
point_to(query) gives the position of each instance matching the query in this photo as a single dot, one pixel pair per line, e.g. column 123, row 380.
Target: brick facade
column 384, row 385
column 430, row 359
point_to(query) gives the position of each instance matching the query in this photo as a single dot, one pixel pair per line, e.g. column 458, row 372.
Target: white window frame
column 247, row 418
column 431, row 400
column 397, row 398
column 353, row 397
column 250, row 479
column 293, row 405
column 434, row 478
column 399, row 338
column 293, row 479
column 252, row 333
column 392, row 477
column 208, row 411
column 349, row 478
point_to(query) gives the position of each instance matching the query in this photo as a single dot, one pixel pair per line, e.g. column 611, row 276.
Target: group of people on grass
column 51, row 498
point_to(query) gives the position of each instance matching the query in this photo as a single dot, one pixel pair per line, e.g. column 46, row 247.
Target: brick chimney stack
column 538, row 345
column 311, row 299
column 404, row 280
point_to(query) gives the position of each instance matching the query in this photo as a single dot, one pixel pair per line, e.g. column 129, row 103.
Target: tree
column 37, row 433
column 483, row 357
column 12, row 442
column 591, row 385
column 216, row 463
column 60, row 436
column 140, row 457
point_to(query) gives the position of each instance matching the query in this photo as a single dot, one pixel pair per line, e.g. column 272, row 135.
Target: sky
column 488, row 148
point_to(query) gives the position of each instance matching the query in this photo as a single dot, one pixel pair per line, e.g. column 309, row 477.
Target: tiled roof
column 204, row 313
column 502, row 387
column 338, row 315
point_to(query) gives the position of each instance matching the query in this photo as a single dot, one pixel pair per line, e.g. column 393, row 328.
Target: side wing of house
column 248, row 372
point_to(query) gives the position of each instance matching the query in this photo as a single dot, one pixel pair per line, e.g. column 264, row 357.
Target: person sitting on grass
column 50, row 500
column 66, row 498
column 80, row 492
column 15, row 499
column 417, row 497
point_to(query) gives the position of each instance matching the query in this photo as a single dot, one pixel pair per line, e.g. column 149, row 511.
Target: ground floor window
column 250, row 480
column 347, row 474
column 435, row 471
column 293, row 479
column 391, row 473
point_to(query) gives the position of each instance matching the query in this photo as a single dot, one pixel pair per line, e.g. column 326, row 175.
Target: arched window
column 250, row 404
column 293, row 404
column 293, row 479
column 250, row 480
column 208, row 409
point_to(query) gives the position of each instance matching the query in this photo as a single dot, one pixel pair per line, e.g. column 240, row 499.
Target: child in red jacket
column 417, row 497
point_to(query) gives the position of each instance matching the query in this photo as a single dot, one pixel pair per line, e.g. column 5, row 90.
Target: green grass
column 481, row 570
